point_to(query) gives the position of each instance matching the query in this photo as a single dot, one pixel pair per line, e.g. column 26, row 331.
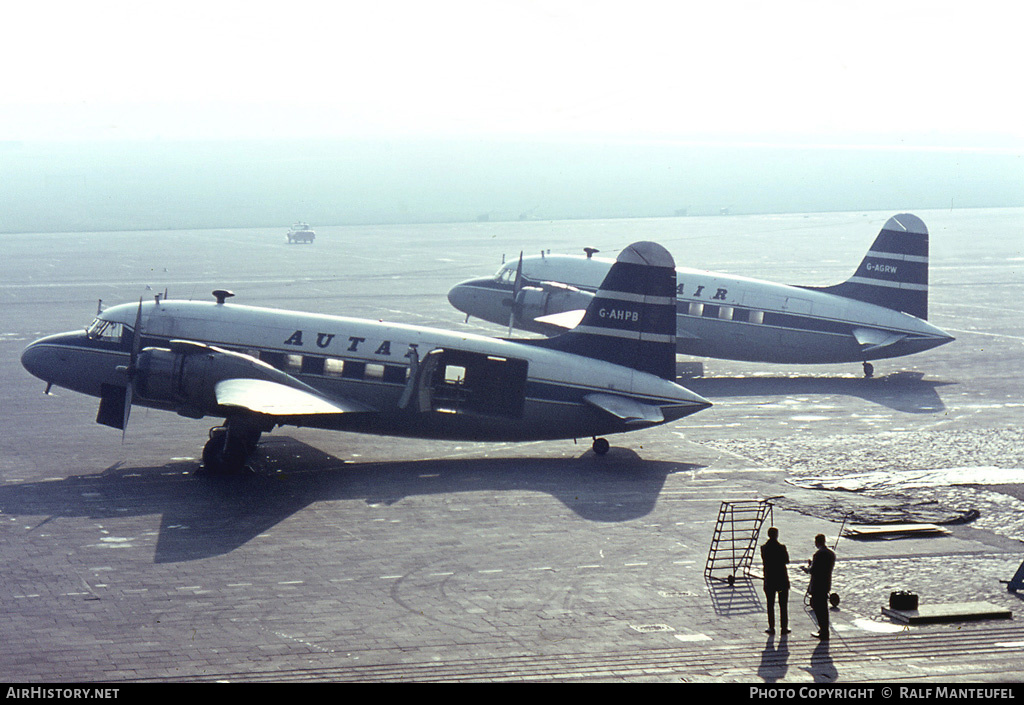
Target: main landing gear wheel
column 601, row 446
column 228, row 451
column 869, row 370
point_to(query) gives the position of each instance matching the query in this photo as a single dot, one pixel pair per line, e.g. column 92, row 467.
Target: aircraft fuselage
column 718, row 315
column 482, row 388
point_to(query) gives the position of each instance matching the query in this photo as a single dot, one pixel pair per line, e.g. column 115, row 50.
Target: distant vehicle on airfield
column 301, row 232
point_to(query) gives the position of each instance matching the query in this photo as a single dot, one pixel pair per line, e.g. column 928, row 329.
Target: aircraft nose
column 461, row 296
column 47, row 357
column 36, row 358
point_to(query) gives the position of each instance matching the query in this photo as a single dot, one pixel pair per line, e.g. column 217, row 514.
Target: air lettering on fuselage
column 720, row 293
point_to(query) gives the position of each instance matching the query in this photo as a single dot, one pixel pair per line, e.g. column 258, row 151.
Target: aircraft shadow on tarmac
column 907, row 392
column 204, row 516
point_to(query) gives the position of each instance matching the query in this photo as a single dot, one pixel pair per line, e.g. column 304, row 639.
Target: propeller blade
column 132, row 370
column 136, row 337
column 516, row 286
column 128, row 392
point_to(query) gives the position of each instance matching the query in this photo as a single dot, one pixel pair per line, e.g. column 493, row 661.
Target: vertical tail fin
column 632, row 319
column 894, row 272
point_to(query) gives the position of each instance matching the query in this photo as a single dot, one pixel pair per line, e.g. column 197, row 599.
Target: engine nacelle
column 532, row 302
column 184, row 377
column 159, row 374
column 549, row 298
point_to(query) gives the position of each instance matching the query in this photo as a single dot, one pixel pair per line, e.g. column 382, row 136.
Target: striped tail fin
column 631, row 321
column 894, row 273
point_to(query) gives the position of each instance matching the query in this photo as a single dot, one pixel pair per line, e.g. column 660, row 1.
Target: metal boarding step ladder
column 735, row 538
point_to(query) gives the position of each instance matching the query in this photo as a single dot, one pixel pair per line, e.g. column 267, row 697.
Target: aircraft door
column 424, row 381
column 463, row 382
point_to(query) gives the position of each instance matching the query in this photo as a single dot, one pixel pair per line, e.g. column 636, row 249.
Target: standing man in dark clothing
column 774, row 558
column 822, row 563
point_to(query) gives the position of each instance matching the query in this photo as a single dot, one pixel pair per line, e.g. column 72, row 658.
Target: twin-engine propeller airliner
column 880, row 312
column 259, row 368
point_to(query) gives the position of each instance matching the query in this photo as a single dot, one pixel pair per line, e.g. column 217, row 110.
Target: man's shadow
column 822, row 668
column 774, row 660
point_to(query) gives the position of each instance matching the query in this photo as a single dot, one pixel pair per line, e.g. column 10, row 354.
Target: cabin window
column 353, row 369
column 282, row 361
column 454, row 374
column 696, row 309
column 333, row 367
column 313, row 365
column 756, row 317
column 725, row 313
column 373, row 370
column 273, row 359
column 395, row 374
column 710, row 311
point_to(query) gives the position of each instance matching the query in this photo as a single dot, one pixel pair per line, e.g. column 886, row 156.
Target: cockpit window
column 506, row 275
column 105, row 330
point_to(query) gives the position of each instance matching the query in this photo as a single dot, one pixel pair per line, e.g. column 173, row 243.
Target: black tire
column 223, row 455
column 601, row 446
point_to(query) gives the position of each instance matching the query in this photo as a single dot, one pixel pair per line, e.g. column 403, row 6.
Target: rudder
column 894, row 272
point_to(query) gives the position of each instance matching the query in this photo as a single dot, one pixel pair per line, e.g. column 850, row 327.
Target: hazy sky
column 906, row 72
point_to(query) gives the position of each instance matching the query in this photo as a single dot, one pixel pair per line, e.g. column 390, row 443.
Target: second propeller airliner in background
column 879, row 312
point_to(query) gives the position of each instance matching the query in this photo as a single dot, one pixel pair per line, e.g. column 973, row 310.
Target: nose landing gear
column 869, row 370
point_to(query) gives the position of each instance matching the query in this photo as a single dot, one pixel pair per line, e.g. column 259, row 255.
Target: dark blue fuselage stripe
column 557, row 392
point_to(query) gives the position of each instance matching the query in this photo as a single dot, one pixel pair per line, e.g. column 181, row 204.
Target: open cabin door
column 463, row 382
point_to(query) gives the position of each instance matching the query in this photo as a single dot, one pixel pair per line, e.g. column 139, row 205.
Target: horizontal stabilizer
column 263, row 397
column 871, row 339
column 565, row 319
column 633, row 412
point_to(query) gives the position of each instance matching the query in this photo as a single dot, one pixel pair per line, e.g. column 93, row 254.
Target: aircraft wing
column 631, row 411
column 273, row 399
